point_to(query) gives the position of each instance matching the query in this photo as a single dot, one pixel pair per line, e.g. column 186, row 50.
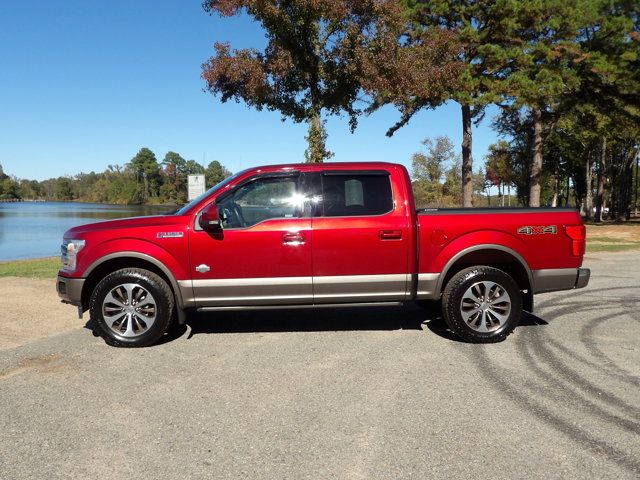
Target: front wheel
column 482, row 304
column 131, row 307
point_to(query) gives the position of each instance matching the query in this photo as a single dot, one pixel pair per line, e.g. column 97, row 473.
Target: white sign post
column 196, row 186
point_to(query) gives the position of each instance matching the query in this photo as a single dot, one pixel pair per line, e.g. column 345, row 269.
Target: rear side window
column 348, row 195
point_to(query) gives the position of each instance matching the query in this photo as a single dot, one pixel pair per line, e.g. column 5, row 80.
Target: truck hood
column 124, row 223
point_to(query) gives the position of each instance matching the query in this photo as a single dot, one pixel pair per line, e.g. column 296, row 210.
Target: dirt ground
column 629, row 233
column 30, row 309
column 382, row 393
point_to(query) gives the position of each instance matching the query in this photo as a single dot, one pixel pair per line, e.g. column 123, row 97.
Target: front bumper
column 70, row 290
column 556, row 279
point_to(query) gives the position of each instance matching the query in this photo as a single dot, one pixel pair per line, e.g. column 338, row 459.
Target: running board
column 286, row 307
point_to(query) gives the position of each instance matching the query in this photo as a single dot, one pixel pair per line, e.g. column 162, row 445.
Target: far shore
column 42, row 200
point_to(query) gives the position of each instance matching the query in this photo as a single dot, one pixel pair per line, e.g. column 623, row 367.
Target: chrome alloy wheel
column 485, row 306
column 129, row 310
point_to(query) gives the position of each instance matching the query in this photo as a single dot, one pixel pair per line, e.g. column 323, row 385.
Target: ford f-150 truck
column 318, row 235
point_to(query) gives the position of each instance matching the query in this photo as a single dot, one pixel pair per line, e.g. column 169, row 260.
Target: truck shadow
column 408, row 317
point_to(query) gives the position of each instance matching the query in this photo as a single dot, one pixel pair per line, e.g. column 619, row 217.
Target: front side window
column 259, row 200
column 347, row 195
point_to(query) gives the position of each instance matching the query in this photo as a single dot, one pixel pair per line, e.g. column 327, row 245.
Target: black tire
column 144, row 280
column 476, row 329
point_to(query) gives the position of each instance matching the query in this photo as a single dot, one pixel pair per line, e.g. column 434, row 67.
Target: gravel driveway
column 367, row 393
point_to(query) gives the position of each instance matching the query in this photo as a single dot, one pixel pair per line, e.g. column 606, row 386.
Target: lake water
column 34, row 229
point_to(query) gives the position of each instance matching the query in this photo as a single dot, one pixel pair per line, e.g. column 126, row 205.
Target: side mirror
column 210, row 219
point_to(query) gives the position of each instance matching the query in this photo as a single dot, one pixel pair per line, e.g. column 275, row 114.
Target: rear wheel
column 131, row 307
column 482, row 304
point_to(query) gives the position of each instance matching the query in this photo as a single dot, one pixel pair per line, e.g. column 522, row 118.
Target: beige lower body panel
column 296, row 290
column 253, row 291
column 554, row 279
column 361, row 288
column 427, row 286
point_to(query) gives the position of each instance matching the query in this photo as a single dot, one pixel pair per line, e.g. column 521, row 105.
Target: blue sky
column 87, row 83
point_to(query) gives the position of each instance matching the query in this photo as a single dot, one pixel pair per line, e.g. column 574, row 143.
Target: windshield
column 193, row 202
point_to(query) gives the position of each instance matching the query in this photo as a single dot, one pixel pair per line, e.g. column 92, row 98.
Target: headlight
column 69, row 256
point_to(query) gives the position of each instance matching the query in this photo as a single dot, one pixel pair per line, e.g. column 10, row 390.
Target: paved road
column 344, row 394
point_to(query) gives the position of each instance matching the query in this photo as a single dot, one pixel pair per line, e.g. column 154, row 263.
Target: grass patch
column 38, row 268
column 607, row 240
column 611, row 247
column 613, row 238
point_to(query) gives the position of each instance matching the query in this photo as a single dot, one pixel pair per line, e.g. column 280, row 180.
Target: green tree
column 215, row 173
column 9, row 189
column 452, row 187
column 146, row 170
column 63, row 189
column 543, row 69
column 83, row 184
column 174, row 187
column 310, row 65
column 175, row 159
column 577, row 76
column 607, row 102
column 192, row 167
column 30, row 189
column 428, row 171
column 517, row 126
column 499, row 171
column 486, row 47
column 481, row 188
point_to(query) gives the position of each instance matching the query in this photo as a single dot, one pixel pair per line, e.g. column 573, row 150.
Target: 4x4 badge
column 540, row 230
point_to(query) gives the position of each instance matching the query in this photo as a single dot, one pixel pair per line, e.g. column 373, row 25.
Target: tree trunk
column 626, row 185
column 316, row 150
column 467, row 159
column 613, row 191
column 146, row 186
column 601, row 170
column 588, row 202
column 536, row 165
column 509, row 193
column 317, row 138
column 635, row 202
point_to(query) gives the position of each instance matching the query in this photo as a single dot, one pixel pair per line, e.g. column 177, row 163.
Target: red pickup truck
column 318, row 235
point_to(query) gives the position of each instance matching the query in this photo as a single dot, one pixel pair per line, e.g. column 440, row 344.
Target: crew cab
column 318, row 235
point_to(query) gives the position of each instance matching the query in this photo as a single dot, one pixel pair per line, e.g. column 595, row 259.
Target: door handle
column 291, row 238
column 390, row 234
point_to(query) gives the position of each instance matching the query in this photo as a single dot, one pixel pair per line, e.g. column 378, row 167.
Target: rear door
column 360, row 239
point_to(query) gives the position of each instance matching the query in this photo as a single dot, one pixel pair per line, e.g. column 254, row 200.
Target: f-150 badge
column 170, row 234
column 541, row 230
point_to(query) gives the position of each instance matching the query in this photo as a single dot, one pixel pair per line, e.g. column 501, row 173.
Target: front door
column 360, row 239
column 263, row 255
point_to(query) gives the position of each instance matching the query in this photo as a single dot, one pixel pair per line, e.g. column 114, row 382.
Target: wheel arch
column 115, row 261
column 491, row 255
